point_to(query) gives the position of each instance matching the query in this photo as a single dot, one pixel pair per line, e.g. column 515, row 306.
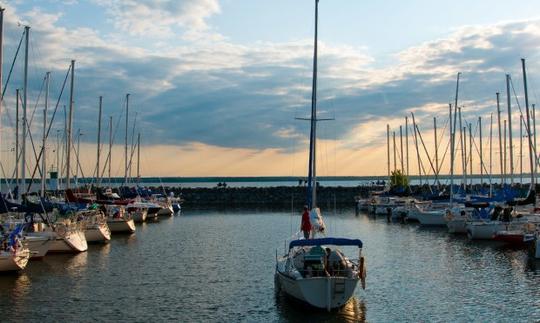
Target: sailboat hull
column 320, row 292
column 10, row 261
column 98, row 232
column 121, row 225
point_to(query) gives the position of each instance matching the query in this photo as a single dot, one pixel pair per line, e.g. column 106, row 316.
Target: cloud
column 231, row 98
column 159, row 17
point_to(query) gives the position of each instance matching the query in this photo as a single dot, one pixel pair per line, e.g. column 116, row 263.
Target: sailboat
column 315, row 271
column 13, row 255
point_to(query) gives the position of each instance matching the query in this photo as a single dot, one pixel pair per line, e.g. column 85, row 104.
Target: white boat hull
column 165, row 211
column 457, row 225
column 10, row 261
column 321, row 292
column 139, row 216
column 38, row 246
column 121, row 225
column 71, row 241
column 484, row 230
column 431, row 218
column 98, row 232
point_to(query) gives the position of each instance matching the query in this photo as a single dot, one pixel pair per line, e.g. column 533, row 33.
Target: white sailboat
column 315, row 271
column 14, row 255
column 119, row 220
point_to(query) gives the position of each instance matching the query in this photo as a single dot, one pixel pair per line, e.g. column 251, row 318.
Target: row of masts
column 21, row 165
column 467, row 142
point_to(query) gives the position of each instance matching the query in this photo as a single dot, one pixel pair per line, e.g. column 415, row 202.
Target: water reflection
column 295, row 311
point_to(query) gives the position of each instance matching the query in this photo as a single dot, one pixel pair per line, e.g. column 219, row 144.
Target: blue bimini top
column 326, row 241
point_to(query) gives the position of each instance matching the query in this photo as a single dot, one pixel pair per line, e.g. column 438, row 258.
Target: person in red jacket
column 306, row 223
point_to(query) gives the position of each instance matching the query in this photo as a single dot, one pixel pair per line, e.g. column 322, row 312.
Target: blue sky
column 226, row 78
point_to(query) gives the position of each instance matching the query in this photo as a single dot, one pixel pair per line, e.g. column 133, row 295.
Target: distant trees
column 398, row 179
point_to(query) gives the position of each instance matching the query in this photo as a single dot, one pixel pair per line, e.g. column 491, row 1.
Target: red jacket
column 306, row 224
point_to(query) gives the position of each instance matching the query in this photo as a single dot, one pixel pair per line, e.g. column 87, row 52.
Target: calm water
column 218, row 266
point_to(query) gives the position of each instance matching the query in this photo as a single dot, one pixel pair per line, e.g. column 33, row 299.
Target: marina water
column 215, row 265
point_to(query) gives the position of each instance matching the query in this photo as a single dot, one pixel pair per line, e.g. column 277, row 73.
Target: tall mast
column 521, row 149
column 470, row 154
column 453, row 138
column 388, row 148
column 126, row 142
column 312, row 176
column 17, row 138
column 98, row 170
column 481, row 151
column 463, row 155
column 436, row 150
column 504, row 152
column 1, row 56
column 417, row 150
column 451, row 153
column 138, row 158
column 500, row 139
column 401, row 149
column 110, row 147
column 529, row 132
column 79, row 134
column 24, row 105
column 534, row 136
column 395, row 158
column 407, row 144
column 490, row 154
column 69, row 125
column 44, row 154
column 510, row 141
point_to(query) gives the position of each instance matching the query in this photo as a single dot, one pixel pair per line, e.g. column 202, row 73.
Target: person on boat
column 305, row 227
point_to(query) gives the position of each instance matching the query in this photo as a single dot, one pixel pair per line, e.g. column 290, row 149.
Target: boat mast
column 471, row 154
column 312, row 176
column 401, row 149
column 17, row 138
column 534, row 136
column 504, row 146
column 138, row 158
column 529, row 132
column 98, row 142
column 500, row 139
column 395, row 158
column 24, row 105
column 451, row 154
column 126, row 142
column 453, row 138
column 407, row 143
column 481, row 152
column 44, row 160
column 510, row 141
column 388, row 148
column 69, row 125
column 462, row 144
column 1, row 61
column 417, row 150
column 521, row 149
column 490, row 154
column 436, row 151
column 110, row 147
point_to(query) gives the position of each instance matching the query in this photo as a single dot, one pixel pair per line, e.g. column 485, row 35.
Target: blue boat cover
column 326, row 241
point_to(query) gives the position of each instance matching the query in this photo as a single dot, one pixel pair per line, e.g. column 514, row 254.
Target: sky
column 215, row 85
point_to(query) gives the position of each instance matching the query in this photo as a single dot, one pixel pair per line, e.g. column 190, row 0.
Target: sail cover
column 326, row 241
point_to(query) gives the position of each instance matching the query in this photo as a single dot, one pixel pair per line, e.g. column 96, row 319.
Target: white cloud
column 157, row 18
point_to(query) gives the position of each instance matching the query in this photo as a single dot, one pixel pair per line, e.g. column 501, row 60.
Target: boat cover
column 326, row 241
